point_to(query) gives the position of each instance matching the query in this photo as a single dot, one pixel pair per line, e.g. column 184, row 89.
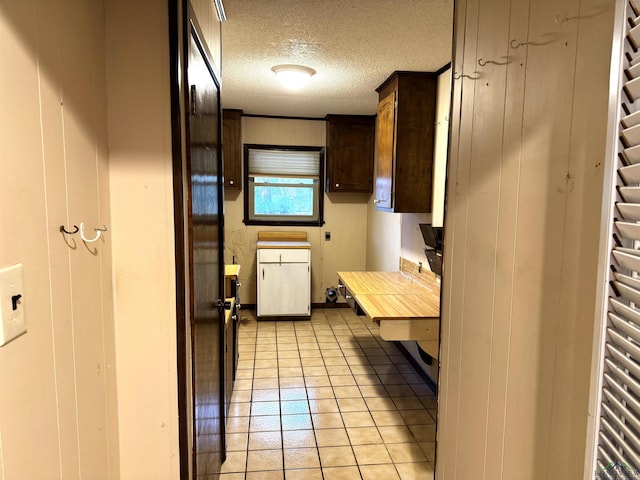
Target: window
column 283, row 185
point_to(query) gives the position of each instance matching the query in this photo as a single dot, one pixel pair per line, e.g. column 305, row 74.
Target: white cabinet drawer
column 282, row 255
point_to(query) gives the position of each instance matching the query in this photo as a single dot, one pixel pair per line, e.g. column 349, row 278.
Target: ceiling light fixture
column 293, row 77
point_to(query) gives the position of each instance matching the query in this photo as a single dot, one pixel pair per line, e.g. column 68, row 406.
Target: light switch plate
column 11, row 304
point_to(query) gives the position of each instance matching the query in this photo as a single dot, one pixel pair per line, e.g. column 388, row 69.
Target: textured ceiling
column 352, row 45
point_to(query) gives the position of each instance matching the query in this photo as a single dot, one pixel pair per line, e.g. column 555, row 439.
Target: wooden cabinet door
column 350, row 145
column 385, row 151
column 232, row 148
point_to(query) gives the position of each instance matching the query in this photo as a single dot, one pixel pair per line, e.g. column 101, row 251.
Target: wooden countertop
column 232, row 270
column 391, row 296
column 282, row 244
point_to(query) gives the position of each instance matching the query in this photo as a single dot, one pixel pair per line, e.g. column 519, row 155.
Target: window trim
column 249, row 186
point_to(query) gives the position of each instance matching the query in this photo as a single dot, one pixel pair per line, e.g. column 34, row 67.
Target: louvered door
column 616, row 438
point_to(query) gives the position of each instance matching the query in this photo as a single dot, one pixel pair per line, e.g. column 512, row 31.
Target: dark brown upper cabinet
column 405, row 128
column 350, row 146
column 232, row 148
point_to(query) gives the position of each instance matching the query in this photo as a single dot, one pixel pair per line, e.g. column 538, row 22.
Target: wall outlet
column 327, row 236
column 12, row 323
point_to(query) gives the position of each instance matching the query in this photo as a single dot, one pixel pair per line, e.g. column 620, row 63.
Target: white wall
column 58, row 416
column 344, row 214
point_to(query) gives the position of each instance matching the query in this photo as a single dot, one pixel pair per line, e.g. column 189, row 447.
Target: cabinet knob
column 348, row 297
column 337, row 185
column 377, row 201
column 231, row 182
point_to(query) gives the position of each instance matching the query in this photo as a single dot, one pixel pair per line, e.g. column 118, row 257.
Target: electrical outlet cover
column 11, row 304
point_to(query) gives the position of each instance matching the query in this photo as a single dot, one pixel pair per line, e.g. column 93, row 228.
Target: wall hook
column 64, row 230
column 482, row 62
column 458, row 76
column 90, row 240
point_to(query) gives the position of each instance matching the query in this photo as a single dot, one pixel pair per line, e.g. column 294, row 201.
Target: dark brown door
column 204, row 170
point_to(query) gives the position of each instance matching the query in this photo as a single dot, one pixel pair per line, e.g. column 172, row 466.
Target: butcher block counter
column 405, row 310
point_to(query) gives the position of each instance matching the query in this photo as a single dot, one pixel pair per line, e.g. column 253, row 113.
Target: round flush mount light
column 293, row 77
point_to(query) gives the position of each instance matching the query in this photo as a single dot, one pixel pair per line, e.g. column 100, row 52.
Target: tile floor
column 326, row 399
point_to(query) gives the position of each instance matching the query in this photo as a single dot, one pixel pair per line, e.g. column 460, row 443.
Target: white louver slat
column 616, row 449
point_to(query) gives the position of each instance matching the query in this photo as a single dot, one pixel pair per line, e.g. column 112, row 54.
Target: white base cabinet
column 284, row 282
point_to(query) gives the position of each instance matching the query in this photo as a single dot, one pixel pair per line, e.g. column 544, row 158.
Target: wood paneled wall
column 521, row 236
column 58, row 416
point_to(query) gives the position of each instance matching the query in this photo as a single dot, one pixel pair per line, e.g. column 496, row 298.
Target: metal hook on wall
column 482, row 62
column 64, row 230
column 97, row 230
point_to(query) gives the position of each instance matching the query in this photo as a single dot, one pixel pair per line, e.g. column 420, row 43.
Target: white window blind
column 616, row 438
column 297, row 163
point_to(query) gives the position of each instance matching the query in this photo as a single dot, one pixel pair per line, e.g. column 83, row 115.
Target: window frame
column 249, row 186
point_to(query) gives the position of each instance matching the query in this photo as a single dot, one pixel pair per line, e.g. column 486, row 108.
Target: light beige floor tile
column 308, row 352
column 239, row 409
column 258, row 460
column 266, row 395
column 235, row 462
column 379, row 472
column 244, row 374
column 357, row 419
column 428, row 401
column 334, row 360
column 423, row 433
column 371, row 454
column 385, row 418
column 237, row 424
column 296, row 422
column 290, row 371
column 416, row 417
column 336, row 456
column 379, row 403
column 265, row 383
column 292, row 382
column 398, row 390
column 338, row 370
column 352, row 405
column 327, row 420
column 320, row 392
column 293, row 393
column 373, row 391
column 265, row 423
column 266, row 475
column 265, row 440
column 413, row 378
column 415, row 471
column 288, row 354
column 298, row 438
column 312, row 362
column 320, row 381
column 289, row 362
column 341, row 473
column 408, row 403
column 291, row 407
column 314, row 371
column 265, row 408
column 396, row 434
column 232, row 476
column 305, row 474
column 347, row 392
column 361, row 369
column 364, row 435
column 301, row 458
column 236, row 441
column 367, row 380
column 429, row 450
column 394, row 379
column 241, row 396
column 424, row 389
column 406, row 452
column 332, row 437
column 244, row 384
column 266, row 363
column 265, row 373
column 324, row 405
